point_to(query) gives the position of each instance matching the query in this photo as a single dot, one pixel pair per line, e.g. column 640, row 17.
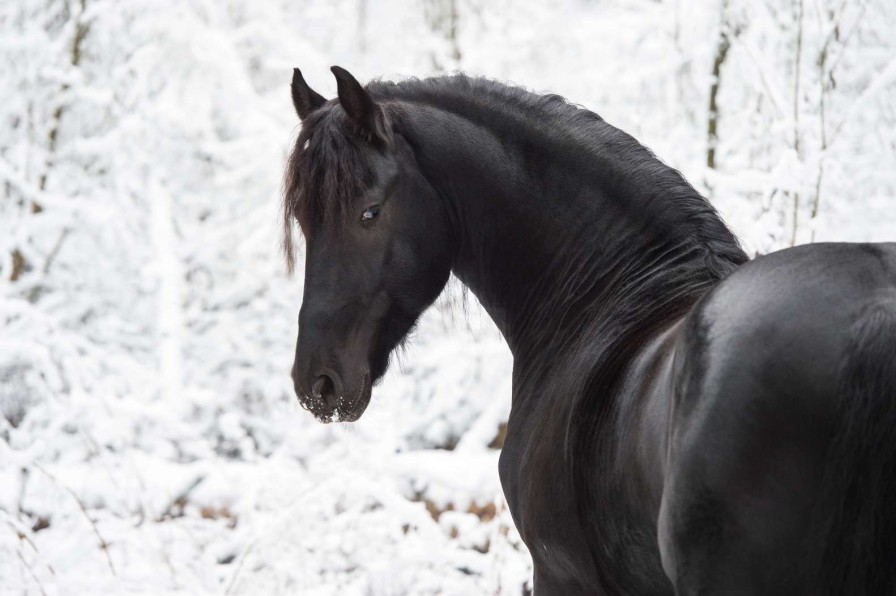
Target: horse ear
column 360, row 107
column 304, row 98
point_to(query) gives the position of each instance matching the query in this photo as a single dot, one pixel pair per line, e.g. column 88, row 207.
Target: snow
column 150, row 440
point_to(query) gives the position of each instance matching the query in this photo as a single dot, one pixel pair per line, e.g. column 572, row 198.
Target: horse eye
column 371, row 213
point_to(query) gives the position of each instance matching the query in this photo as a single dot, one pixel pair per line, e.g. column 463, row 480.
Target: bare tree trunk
column 443, row 18
column 452, row 31
column 796, row 113
column 81, row 29
column 712, row 125
column 827, row 83
column 19, row 264
column 823, row 76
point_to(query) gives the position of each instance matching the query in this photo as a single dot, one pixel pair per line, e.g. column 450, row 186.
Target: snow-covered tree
column 149, row 438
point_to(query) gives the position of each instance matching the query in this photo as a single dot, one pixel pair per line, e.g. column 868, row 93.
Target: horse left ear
column 360, row 107
column 304, row 98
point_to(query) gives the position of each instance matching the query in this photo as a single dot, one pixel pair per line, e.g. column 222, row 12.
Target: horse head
column 377, row 245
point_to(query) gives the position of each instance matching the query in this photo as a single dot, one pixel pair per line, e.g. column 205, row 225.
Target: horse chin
column 361, row 401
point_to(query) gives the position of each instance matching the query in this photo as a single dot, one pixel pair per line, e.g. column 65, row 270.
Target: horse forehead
column 382, row 165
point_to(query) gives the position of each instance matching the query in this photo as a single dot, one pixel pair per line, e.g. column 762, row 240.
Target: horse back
column 754, row 411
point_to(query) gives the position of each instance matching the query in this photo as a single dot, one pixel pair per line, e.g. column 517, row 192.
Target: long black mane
column 324, row 169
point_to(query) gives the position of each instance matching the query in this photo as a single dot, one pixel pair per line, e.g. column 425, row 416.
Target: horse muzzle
column 331, row 400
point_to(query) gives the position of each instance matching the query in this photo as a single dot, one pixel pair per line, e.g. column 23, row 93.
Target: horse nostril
column 323, row 388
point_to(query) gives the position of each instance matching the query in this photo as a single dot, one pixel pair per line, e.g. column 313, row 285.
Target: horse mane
column 325, row 169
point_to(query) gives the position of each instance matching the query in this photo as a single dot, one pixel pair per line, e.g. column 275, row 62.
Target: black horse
column 684, row 421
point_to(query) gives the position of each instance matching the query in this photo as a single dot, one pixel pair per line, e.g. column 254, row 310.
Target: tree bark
column 19, row 263
column 712, row 124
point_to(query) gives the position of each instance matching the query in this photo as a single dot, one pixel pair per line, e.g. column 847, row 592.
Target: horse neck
column 560, row 241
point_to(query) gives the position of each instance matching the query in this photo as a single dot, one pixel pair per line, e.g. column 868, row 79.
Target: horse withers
column 683, row 421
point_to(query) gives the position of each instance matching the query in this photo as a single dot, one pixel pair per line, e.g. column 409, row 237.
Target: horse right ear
column 304, row 98
column 360, row 107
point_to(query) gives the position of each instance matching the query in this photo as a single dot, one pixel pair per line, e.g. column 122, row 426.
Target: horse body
column 676, row 410
column 759, row 396
column 717, row 444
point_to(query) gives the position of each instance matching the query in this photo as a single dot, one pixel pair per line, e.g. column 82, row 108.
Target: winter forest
column 150, row 439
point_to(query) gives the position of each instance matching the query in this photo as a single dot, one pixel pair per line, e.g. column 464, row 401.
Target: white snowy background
column 149, row 436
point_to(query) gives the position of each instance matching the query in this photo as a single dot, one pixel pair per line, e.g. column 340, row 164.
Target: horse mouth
column 347, row 409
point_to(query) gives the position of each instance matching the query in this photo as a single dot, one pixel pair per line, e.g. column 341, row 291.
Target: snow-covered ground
column 149, row 437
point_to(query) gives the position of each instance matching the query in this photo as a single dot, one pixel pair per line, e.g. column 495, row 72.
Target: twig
column 849, row 33
column 56, row 248
column 180, row 498
column 103, row 544
column 239, row 567
column 770, row 92
column 36, row 292
column 21, row 535
column 40, row 586
column 884, row 78
column 22, row 486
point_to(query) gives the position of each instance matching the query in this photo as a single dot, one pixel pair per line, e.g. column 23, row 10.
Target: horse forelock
column 324, row 172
